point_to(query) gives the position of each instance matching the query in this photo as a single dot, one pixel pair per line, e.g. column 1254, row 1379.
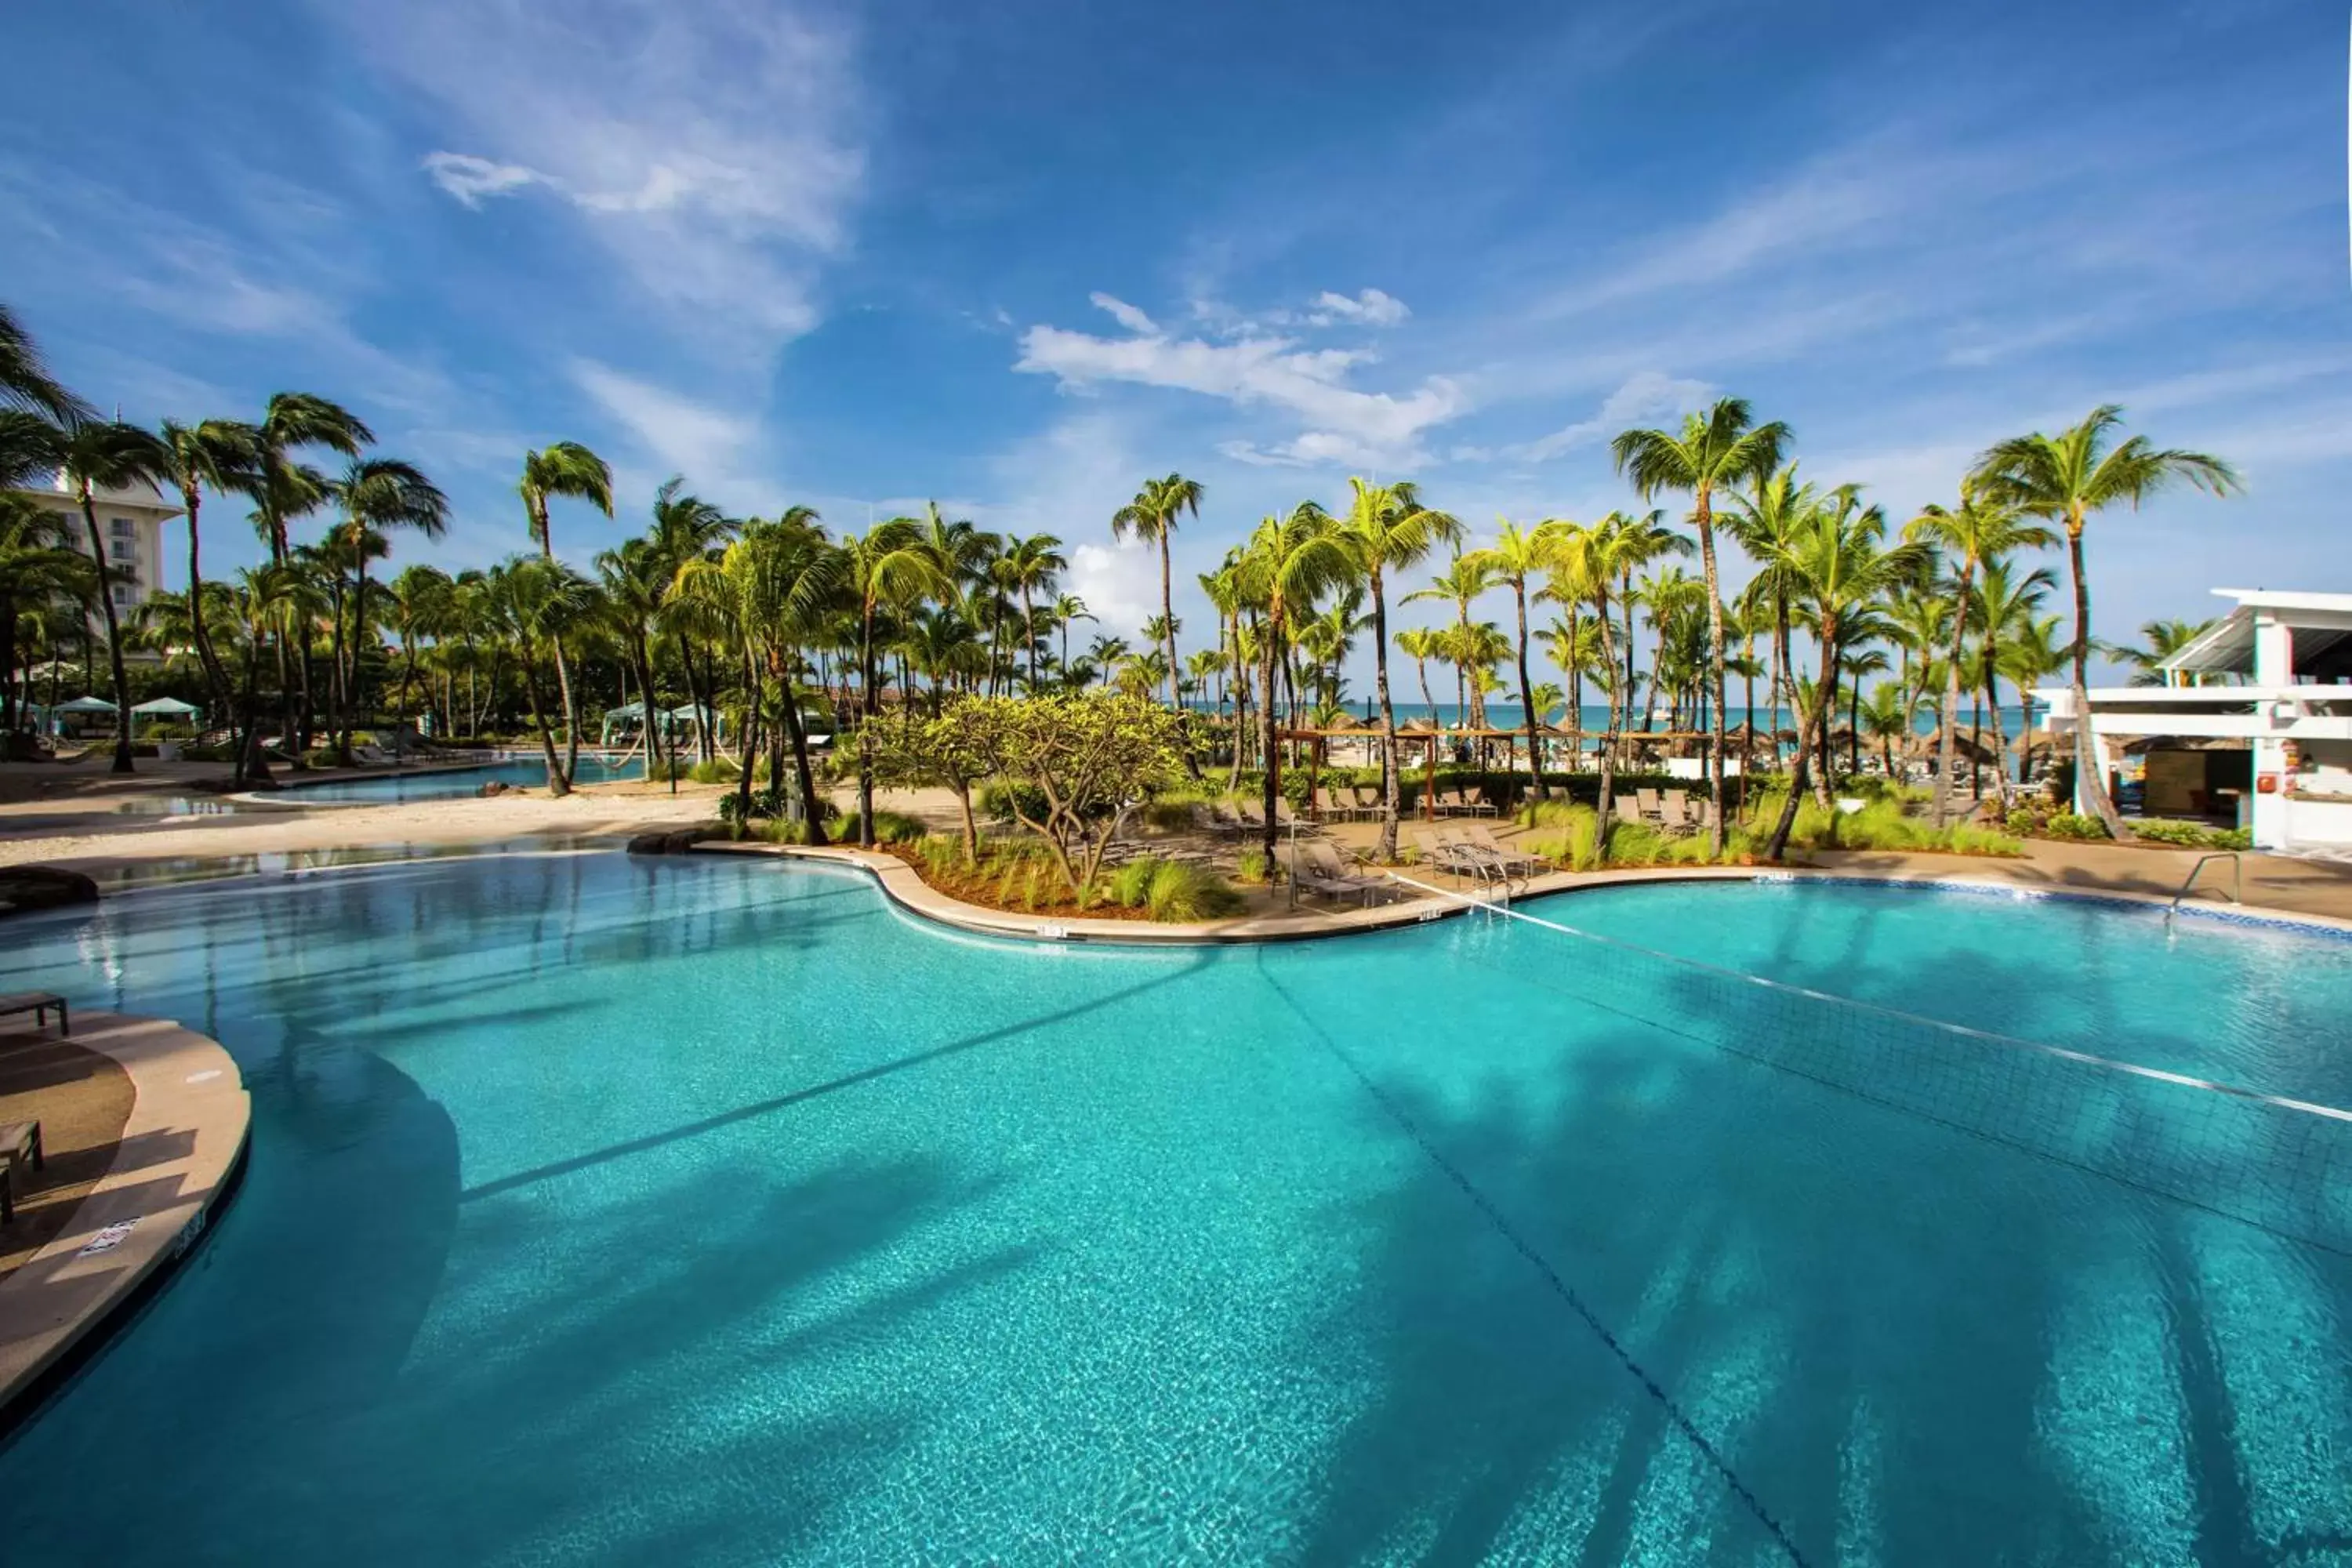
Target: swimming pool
column 695, row 1209
column 440, row 783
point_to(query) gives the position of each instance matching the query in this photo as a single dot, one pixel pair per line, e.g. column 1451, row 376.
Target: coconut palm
column 887, row 568
column 2160, row 640
column 1838, row 564
column 1983, row 528
column 1886, row 717
column 378, row 495
column 1717, row 451
column 1516, row 555
column 1387, row 529
column 1032, row 565
column 38, row 562
column 420, row 606
column 1289, row 563
column 227, row 455
column 1152, row 515
column 2064, row 479
column 290, row 422
column 563, row 468
column 108, row 455
column 1461, row 583
column 535, row 601
column 2003, row 610
column 25, row 383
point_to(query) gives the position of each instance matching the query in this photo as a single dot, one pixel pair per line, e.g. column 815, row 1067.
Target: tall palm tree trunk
column 1815, row 724
column 113, row 639
column 1271, row 784
column 558, row 784
column 215, row 677
column 1602, row 800
column 1948, row 725
column 798, row 734
column 2090, row 777
column 1527, row 694
column 1391, row 787
column 1714, row 673
column 867, row 719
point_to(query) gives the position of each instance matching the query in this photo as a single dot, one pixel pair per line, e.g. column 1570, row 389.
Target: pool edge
column 62, row 1308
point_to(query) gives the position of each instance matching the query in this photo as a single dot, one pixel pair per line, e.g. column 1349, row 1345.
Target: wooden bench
column 38, row 1002
column 18, row 1142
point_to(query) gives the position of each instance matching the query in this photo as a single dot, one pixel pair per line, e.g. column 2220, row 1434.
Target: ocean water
column 1502, row 715
column 612, row 1210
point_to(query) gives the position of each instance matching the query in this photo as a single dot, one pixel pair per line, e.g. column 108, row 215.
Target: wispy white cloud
column 1125, row 314
column 709, row 149
column 1647, row 395
column 1343, row 424
column 711, row 446
column 1370, row 307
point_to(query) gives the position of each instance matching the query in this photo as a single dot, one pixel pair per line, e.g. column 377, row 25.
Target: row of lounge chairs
column 1471, row 850
column 1671, row 810
column 1357, row 802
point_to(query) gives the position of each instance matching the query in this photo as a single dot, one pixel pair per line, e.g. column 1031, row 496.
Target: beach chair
column 1472, row 804
column 1368, row 801
column 1444, row 854
column 1513, row 862
column 1223, row 818
column 1286, row 818
column 1320, row 871
column 1332, row 807
column 1627, row 808
column 1674, row 814
column 1653, row 808
column 40, row 1004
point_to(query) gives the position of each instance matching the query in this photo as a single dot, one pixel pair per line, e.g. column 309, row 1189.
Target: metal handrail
column 2236, row 879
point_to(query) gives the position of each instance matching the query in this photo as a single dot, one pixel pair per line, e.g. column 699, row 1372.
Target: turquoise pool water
column 700, row 1211
column 440, row 783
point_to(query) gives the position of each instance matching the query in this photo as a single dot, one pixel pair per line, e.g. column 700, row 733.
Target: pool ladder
column 2237, row 882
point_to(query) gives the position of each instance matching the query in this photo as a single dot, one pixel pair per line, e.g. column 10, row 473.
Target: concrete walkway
column 176, row 1158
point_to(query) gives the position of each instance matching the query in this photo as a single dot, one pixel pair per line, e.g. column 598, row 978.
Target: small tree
column 945, row 751
column 1091, row 758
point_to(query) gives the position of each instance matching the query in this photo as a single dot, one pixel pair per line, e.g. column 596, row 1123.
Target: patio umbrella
column 84, row 705
column 165, row 708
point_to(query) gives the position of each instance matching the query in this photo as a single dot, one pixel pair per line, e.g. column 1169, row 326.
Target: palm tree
column 1289, row 561
column 563, row 468
column 377, row 495
column 1516, row 555
column 1031, row 566
column 2064, row 479
column 1069, row 609
column 2004, row 611
column 25, row 383
column 1838, row 563
column 536, row 601
column 775, row 584
column 37, row 561
column 421, row 604
column 1885, row 717
column 99, row 455
column 1387, row 529
column 1719, row 450
column 2161, row 639
column 1765, row 520
column 226, row 453
column 1463, row 581
column 1598, row 556
column 1152, row 515
column 1981, row 530
column 290, row 422
column 890, row 566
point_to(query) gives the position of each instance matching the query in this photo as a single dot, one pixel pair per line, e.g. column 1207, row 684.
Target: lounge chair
column 1320, row 870
column 1472, row 804
column 1447, row 855
column 40, row 1004
column 1369, row 802
column 19, row 1141
column 1628, row 809
column 1653, row 808
column 1514, row 862
column 1287, row 819
column 1674, row 814
column 1329, row 805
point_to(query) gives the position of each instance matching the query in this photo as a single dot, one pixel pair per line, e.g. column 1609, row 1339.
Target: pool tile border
column 178, row 1162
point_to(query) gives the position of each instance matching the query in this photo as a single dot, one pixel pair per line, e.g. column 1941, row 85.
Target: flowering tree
column 1089, row 759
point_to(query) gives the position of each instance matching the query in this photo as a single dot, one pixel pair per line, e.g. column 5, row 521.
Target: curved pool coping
column 906, row 887
column 177, row 1161
column 346, row 775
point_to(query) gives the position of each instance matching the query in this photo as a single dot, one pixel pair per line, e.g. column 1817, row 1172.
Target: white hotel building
column 2268, row 739
column 130, row 522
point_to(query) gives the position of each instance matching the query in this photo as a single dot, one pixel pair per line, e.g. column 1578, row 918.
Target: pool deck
column 2154, row 883
column 176, row 1159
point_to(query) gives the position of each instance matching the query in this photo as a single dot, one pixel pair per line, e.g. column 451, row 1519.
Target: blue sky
column 1017, row 257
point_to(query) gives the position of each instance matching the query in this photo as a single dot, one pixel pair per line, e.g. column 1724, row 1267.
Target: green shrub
column 2192, row 835
column 1252, row 870
column 2073, row 826
column 1130, row 885
column 718, row 770
column 998, row 797
column 1180, row 891
column 889, row 827
column 1175, row 811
